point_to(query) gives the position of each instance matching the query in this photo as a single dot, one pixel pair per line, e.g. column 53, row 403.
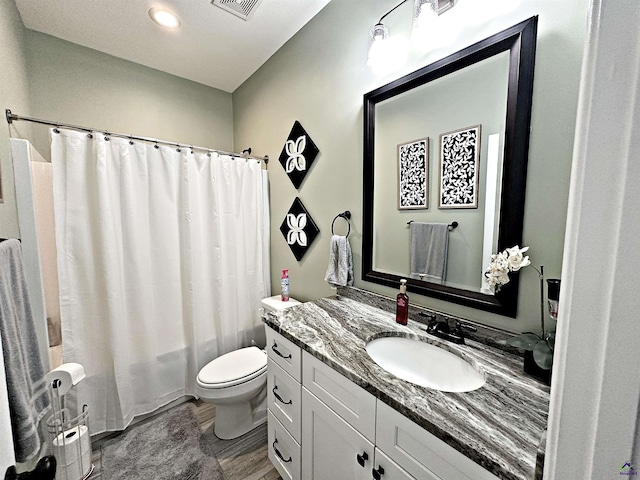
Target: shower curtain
column 162, row 262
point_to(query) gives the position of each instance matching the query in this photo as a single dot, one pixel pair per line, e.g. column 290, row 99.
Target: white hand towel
column 340, row 269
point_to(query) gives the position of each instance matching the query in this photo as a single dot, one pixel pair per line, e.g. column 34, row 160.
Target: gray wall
column 13, row 95
column 81, row 86
column 319, row 78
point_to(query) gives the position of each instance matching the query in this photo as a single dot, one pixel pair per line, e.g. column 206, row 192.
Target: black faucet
column 441, row 328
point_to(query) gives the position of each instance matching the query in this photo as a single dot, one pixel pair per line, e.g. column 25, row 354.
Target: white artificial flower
column 509, row 260
column 516, row 258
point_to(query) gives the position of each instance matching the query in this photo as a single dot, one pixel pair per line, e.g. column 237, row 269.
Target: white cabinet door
column 331, row 448
column 422, row 454
column 386, row 469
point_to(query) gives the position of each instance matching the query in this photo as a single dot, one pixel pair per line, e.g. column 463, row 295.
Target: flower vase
column 532, row 368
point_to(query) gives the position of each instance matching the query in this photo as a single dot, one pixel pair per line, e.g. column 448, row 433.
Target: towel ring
column 346, row 215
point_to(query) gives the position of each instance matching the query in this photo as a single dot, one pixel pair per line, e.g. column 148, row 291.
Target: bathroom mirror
column 488, row 84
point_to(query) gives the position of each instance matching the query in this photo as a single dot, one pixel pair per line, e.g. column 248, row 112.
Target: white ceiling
column 212, row 47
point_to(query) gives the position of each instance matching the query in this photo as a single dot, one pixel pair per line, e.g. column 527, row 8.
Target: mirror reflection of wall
column 475, row 95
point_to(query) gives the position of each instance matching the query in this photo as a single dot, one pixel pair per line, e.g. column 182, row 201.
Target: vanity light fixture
column 379, row 39
column 164, row 17
column 379, row 33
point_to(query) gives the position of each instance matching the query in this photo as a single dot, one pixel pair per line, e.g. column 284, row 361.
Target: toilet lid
column 234, row 367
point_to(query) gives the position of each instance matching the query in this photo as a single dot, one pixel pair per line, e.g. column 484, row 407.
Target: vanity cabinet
column 322, row 426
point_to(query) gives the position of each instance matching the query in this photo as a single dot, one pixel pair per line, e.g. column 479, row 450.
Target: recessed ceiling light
column 164, row 17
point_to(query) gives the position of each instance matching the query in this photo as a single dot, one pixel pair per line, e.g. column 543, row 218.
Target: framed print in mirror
column 459, row 168
column 413, row 175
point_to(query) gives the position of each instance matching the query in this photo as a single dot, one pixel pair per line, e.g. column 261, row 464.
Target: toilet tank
column 275, row 304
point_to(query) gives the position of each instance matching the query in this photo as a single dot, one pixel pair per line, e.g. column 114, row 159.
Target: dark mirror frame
column 520, row 42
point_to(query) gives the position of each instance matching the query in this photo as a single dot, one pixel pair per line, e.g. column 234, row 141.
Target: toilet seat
column 233, row 368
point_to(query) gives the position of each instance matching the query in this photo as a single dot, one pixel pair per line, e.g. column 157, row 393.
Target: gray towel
column 26, row 386
column 429, row 249
column 340, row 269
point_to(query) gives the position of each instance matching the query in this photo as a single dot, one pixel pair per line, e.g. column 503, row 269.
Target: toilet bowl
column 236, row 384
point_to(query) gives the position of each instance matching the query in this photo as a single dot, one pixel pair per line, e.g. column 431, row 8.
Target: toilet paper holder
column 69, row 432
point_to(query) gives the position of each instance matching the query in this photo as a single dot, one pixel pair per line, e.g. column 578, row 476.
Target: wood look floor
column 243, row 458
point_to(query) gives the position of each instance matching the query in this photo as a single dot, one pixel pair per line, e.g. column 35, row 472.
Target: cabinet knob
column 377, row 472
column 362, row 458
column 273, row 347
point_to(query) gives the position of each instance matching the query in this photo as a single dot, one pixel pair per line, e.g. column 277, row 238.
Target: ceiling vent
column 240, row 8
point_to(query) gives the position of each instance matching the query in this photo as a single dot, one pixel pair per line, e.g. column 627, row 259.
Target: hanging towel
column 429, row 249
column 26, row 386
column 340, row 269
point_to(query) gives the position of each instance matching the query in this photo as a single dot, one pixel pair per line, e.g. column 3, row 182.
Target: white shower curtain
column 162, row 265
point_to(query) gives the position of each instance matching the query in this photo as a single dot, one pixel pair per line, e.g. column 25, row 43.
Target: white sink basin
column 424, row 364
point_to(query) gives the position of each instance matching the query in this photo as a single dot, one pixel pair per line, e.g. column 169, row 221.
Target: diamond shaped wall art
column 298, row 154
column 299, row 229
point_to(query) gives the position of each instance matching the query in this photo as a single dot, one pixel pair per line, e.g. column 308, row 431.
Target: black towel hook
column 346, row 215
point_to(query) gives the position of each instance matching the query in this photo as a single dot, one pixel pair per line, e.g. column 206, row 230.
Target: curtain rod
column 11, row 117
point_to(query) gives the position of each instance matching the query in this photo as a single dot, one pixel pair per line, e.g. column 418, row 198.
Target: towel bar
column 452, row 225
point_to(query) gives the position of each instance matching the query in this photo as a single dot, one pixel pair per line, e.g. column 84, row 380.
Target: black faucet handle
column 428, row 315
column 460, row 326
column 431, row 320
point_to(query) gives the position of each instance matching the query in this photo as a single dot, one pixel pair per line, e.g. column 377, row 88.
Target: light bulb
column 164, row 18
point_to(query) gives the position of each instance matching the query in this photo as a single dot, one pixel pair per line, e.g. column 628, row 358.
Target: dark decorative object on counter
column 298, row 154
column 538, row 348
column 533, row 369
column 299, row 229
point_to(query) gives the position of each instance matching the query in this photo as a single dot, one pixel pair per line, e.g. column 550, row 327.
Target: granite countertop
column 499, row 426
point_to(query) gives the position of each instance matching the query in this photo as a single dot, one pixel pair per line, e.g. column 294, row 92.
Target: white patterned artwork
column 413, row 175
column 459, row 168
column 298, row 229
column 298, row 154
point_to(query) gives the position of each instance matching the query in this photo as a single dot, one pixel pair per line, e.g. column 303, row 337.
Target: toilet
column 236, row 383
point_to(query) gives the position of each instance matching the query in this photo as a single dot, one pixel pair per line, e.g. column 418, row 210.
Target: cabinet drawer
column 285, row 353
column 353, row 403
column 284, row 451
column 390, row 470
column 419, row 452
column 283, row 393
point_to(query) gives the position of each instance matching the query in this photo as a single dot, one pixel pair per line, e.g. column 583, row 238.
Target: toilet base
column 235, row 420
